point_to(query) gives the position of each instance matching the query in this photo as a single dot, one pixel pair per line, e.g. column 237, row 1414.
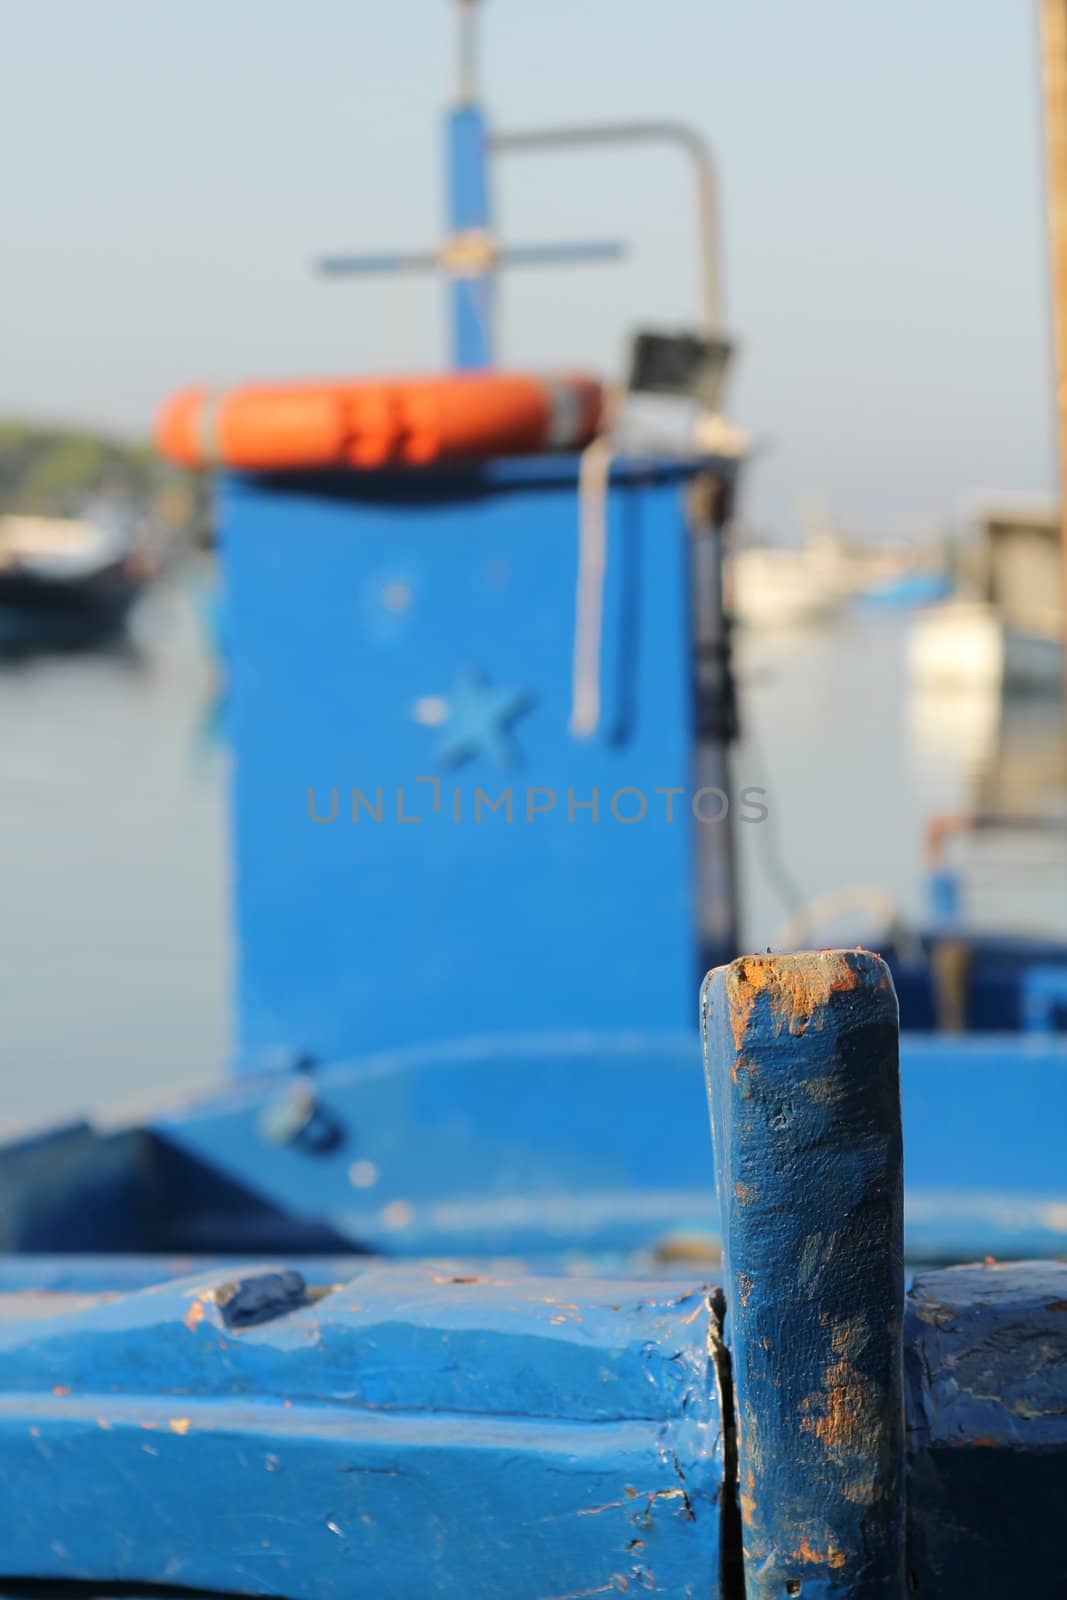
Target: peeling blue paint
column 414, row 1431
column 986, row 1355
column 804, row 1091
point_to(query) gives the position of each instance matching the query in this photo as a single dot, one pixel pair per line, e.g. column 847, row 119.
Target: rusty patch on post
column 797, row 986
column 830, row 1557
column 845, row 1417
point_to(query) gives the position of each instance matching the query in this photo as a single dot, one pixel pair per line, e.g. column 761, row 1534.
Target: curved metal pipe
column 648, row 132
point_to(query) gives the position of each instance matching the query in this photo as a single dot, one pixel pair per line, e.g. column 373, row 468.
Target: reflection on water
column 957, row 725
column 113, row 950
column 1019, row 879
column 856, row 762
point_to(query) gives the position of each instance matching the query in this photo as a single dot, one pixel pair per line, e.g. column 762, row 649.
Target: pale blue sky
column 170, row 167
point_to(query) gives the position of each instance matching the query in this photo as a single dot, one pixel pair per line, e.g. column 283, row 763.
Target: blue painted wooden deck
column 420, row 1430
column 338, row 1424
column 411, row 1432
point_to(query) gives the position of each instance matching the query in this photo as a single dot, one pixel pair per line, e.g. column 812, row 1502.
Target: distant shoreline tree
column 48, row 470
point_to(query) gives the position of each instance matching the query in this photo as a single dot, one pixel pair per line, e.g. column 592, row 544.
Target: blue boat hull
column 545, row 1147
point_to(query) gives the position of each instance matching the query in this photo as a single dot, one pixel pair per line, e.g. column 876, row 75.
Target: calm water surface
column 114, row 954
column 855, row 762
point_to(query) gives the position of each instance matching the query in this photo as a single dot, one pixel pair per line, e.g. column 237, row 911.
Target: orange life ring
column 378, row 422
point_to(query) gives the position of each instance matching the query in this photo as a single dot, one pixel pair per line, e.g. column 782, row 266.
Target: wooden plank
column 412, row 1432
column 986, row 1357
column 804, row 1087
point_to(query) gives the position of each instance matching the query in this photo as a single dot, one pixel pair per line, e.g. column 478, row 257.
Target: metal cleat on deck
column 482, row 1430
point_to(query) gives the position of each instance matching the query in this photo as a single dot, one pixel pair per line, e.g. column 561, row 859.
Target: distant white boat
column 785, row 588
column 59, row 548
column 1006, row 636
column 968, row 644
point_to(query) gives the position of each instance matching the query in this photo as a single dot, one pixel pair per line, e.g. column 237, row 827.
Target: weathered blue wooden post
column 803, row 1079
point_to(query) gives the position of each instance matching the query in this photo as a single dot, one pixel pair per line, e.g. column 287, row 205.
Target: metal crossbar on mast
column 471, row 255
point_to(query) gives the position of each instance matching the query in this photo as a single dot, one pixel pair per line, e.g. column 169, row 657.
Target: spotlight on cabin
column 687, row 365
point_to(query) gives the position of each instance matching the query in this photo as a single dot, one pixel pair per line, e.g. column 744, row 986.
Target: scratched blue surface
column 149, row 1437
column 986, row 1355
column 413, row 1431
column 356, row 607
column 804, row 1089
column 340, row 1443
